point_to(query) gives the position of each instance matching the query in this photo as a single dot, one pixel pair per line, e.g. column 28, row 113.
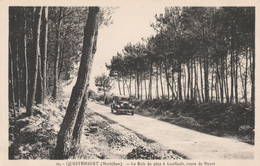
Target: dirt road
column 193, row 144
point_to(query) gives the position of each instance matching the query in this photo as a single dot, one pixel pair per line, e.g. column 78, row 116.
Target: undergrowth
column 221, row 119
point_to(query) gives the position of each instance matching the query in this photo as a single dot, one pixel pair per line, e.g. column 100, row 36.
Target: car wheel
column 132, row 113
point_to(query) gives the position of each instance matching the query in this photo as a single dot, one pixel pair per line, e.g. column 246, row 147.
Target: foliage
column 214, row 118
column 103, row 83
column 34, row 137
column 141, row 153
column 196, row 54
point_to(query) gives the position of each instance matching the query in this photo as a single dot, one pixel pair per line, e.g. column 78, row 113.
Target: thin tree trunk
column 173, row 85
column 188, row 90
column 184, row 83
column 236, row 76
column 45, row 49
column 17, row 75
column 221, row 81
column 197, row 93
column 191, row 81
column 216, row 89
column 57, row 56
column 61, row 59
column 231, row 75
column 150, row 83
column 179, row 81
column 39, row 94
column 11, row 80
column 130, row 85
column 141, row 81
column 245, row 89
column 212, row 84
column 26, row 63
column 227, row 88
column 123, row 86
column 157, row 79
column 167, row 82
column 253, row 79
column 242, row 80
column 65, row 134
column 138, row 85
column 36, row 38
column 22, row 57
column 206, row 63
column 161, row 80
column 145, row 87
column 119, row 88
column 201, row 81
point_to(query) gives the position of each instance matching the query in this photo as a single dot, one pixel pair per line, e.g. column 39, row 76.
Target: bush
column 212, row 117
column 142, row 153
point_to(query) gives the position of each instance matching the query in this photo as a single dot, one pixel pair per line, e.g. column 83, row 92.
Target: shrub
column 142, row 153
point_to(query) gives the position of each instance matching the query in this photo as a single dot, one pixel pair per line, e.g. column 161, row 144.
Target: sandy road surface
column 193, row 144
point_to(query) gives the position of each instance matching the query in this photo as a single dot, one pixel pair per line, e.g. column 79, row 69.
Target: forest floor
column 35, row 137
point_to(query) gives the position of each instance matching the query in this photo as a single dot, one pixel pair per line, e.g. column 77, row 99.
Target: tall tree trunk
column 11, row 81
column 173, row 84
column 216, row 89
column 201, row 81
column 161, row 79
column 157, row 79
column 151, row 82
column 184, row 83
column 36, row 53
column 65, row 134
column 232, row 82
column 39, row 86
column 179, row 81
column 253, row 79
column 22, row 57
column 61, row 62
column 123, row 79
column 191, row 81
column 44, row 51
column 221, row 81
column 141, row 81
column 245, row 79
column 212, row 84
column 138, row 85
column 145, row 87
column 236, row 76
column 227, row 88
column 197, row 93
column 77, row 131
column 167, row 81
column 242, row 80
column 188, row 90
column 118, row 81
column 26, row 63
column 130, row 85
column 206, row 63
column 57, row 52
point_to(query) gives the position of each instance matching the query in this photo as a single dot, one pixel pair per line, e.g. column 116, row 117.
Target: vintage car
column 121, row 104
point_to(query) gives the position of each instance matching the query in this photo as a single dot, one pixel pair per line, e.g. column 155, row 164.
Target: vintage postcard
column 135, row 83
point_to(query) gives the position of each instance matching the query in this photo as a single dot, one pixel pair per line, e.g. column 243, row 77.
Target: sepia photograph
column 129, row 84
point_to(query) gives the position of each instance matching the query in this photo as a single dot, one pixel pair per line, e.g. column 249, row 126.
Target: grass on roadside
column 230, row 120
